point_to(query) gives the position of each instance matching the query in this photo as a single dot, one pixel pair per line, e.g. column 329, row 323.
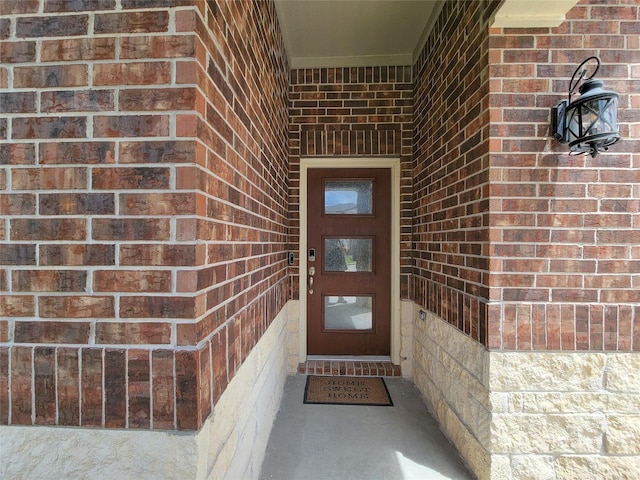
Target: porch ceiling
column 336, row 33
column 341, row 33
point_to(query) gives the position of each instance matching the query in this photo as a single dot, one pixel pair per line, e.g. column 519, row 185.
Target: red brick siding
column 564, row 230
column 451, row 169
column 144, row 203
column 352, row 112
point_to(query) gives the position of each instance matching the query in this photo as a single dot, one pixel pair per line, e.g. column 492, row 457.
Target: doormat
column 347, row 391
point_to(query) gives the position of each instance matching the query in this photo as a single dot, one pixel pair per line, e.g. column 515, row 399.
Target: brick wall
column 144, row 203
column 564, row 229
column 352, row 112
column 451, row 169
column 518, row 244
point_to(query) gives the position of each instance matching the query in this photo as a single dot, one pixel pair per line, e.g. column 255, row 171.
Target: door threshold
column 350, row 365
column 351, row 358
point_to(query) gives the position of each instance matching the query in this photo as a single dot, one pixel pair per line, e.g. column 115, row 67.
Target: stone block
column 623, row 372
column 546, row 371
column 545, row 434
column 500, row 467
column 579, row 402
column 572, row 467
column 532, row 467
column 623, row 435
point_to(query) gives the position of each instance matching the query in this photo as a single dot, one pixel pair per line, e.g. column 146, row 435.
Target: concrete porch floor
column 346, row 442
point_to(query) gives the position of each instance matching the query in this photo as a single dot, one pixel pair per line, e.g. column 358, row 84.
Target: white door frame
column 394, row 165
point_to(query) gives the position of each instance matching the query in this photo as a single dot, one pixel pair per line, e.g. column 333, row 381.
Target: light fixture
column 589, row 124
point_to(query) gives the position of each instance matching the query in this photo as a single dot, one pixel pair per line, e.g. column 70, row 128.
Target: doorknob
column 312, row 271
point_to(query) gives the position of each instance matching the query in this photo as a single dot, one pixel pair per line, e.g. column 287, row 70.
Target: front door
column 349, row 261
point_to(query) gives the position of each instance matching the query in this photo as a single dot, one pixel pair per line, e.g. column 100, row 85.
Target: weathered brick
column 157, row 307
column 132, row 281
column 10, row 7
column 21, row 390
column 51, row 332
column 17, row 154
column 163, row 386
column 138, row 333
column 187, row 72
column 17, row 52
column 139, row 388
column 186, row 21
column 130, row 229
column 49, row 178
column 77, row 152
column 4, row 380
column 48, row 229
column 130, row 178
column 205, row 379
column 73, row 49
column 156, row 3
column 161, row 255
column 115, row 389
column 17, row 306
column 92, row 391
column 134, row 73
column 75, row 75
column 57, row 26
column 4, row 338
column 187, row 406
column 17, row 204
column 76, row 307
column 75, row 255
column 219, row 363
column 78, row 101
column 19, row 102
column 131, row 126
column 49, row 127
column 175, row 46
column 136, row 22
column 78, row 5
column 49, row 281
column 183, row 151
column 68, row 379
column 157, row 99
column 77, row 204
column 44, row 381
column 17, row 254
column 158, row 204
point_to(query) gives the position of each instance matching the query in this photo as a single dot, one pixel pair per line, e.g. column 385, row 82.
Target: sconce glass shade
column 592, row 120
column 589, row 124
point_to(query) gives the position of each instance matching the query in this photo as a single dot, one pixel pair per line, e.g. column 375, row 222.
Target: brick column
column 144, row 206
column 564, row 228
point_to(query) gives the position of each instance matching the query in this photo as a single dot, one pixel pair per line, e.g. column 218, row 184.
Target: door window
column 348, row 313
column 348, row 254
column 348, row 197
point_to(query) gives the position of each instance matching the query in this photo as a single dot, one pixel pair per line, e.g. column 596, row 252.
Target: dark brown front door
column 349, row 261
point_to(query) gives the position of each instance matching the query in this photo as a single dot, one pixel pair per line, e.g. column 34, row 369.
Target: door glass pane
column 348, row 313
column 348, row 197
column 348, row 254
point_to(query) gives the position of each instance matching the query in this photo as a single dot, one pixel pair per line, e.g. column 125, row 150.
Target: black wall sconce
column 589, row 124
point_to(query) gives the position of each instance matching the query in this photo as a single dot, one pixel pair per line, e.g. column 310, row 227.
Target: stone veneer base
column 524, row 415
column 230, row 445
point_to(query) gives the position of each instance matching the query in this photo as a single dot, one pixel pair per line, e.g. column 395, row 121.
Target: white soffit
column 352, row 33
column 532, row 13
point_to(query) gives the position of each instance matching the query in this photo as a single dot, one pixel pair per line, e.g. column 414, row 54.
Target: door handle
column 312, row 271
